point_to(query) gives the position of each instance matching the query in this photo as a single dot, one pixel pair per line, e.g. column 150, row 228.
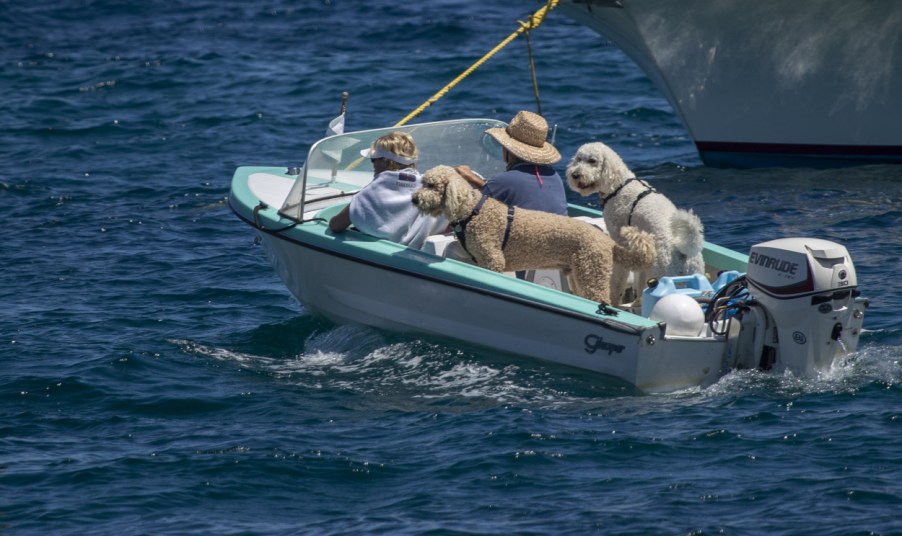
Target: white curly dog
column 628, row 201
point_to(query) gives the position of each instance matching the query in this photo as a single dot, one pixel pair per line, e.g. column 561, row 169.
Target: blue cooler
column 695, row 286
column 727, row 276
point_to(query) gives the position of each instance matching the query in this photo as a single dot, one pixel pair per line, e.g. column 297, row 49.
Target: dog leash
column 648, row 190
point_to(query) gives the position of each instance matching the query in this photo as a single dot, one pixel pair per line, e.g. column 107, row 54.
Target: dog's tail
column 688, row 233
column 639, row 251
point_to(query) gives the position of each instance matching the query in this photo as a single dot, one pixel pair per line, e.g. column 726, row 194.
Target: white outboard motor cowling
column 809, row 289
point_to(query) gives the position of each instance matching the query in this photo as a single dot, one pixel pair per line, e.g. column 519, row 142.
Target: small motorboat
column 791, row 304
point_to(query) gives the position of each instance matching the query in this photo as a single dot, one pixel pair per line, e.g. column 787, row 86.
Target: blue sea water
column 157, row 378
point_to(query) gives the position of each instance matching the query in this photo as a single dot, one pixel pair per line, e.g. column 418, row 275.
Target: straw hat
column 525, row 137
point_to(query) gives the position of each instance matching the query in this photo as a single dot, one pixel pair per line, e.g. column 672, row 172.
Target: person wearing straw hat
column 383, row 207
column 529, row 181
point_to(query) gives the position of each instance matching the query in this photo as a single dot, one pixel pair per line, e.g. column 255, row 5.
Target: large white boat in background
column 769, row 82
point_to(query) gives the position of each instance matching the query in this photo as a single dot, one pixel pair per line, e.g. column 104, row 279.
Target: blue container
column 695, row 285
column 725, row 277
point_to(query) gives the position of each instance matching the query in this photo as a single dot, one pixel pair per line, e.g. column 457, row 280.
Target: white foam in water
column 216, row 353
column 308, row 363
column 465, row 379
column 357, row 359
column 848, row 373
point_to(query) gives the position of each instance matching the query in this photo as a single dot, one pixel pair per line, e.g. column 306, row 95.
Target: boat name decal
column 774, row 263
column 596, row 342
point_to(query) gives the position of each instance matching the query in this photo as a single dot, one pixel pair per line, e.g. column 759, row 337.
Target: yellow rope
column 535, row 20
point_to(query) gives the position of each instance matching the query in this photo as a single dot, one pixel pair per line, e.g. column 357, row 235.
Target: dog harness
column 460, row 227
column 648, row 190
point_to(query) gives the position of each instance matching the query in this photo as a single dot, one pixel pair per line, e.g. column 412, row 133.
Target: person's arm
column 470, row 176
column 341, row 221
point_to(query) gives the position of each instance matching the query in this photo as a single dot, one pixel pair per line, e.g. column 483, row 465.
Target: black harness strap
column 507, row 228
column 648, row 190
column 629, row 221
column 616, row 191
column 460, row 227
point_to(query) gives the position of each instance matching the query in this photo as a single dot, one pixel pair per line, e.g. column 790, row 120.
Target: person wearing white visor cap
column 383, row 208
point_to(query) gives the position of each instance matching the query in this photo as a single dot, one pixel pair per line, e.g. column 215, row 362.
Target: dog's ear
column 613, row 168
column 607, row 169
column 453, row 191
column 429, row 177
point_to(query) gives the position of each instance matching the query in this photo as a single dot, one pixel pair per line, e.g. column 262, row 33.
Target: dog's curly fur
column 538, row 240
column 679, row 234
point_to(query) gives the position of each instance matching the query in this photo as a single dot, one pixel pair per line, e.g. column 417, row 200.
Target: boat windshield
column 334, row 167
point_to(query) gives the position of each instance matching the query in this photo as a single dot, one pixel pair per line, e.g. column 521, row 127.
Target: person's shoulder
column 409, row 174
column 505, row 175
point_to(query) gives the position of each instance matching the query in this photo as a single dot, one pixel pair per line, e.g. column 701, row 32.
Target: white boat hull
column 768, row 82
column 348, row 290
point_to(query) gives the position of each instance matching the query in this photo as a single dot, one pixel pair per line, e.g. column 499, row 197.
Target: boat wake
column 417, row 372
column 373, row 363
column 871, row 365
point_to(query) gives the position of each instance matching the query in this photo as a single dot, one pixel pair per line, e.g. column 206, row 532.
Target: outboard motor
column 808, row 289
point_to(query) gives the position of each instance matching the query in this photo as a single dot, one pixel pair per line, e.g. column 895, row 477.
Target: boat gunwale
column 488, row 290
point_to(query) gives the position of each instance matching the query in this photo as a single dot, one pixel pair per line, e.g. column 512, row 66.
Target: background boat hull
column 769, row 83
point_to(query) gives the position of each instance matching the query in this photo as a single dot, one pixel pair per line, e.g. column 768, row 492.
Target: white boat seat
column 443, row 246
column 597, row 222
column 549, row 278
column 438, row 244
